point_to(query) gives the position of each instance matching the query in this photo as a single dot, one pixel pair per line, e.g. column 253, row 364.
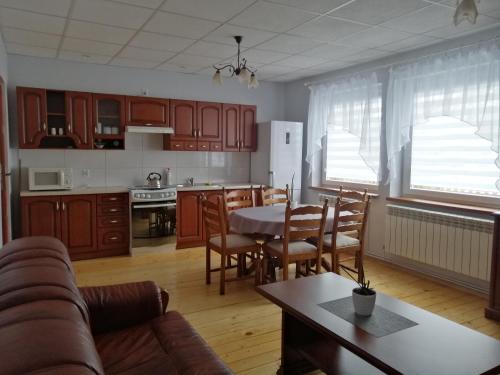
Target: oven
column 153, row 216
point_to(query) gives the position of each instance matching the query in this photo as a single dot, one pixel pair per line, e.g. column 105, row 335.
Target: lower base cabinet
column 90, row 225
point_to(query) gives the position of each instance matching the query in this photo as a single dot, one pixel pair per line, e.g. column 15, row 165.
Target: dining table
column 266, row 220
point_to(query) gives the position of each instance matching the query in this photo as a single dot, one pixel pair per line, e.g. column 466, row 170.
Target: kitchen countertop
column 122, row 189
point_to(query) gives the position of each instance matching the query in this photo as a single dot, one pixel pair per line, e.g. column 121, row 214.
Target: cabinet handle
column 69, row 127
column 113, row 210
column 114, row 238
column 114, row 221
column 199, row 133
column 113, row 198
column 95, row 129
column 203, row 146
column 57, row 206
column 63, row 206
column 44, row 126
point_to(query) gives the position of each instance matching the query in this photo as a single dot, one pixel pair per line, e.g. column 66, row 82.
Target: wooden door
column 189, row 225
column 183, row 120
column 78, row 223
column 79, row 117
column 147, row 111
column 248, row 128
column 209, row 121
column 230, row 127
column 41, row 216
column 31, row 116
column 4, row 168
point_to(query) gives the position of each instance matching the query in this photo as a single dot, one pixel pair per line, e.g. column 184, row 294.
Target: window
column 345, row 158
column 448, row 157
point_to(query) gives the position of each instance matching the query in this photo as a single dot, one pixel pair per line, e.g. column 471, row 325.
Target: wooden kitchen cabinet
column 230, row 127
column 78, row 224
column 248, row 128
column 108, row 117
column 189, row 219
column 41, row 216
column 147, row 111
column 90, row 225
column 31, row 116
column 79, row 118
column 183, row 120
column 209, row 122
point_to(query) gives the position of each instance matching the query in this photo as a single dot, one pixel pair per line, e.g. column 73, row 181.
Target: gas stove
column 149, row 194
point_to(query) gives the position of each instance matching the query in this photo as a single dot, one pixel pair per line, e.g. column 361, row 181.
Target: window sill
column 448, row 205
column 336, row 190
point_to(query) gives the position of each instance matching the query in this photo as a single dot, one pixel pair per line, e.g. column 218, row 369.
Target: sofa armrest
column 115, row 307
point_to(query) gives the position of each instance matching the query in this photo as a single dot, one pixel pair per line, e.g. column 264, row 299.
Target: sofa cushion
column 165, row 345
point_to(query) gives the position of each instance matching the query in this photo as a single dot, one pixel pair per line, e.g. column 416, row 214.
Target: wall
column 296, row 109
column 143, row 152
column 3, row 74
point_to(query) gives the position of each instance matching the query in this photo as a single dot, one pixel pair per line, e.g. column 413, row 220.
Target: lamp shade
column 253, row 83
column 217, row 78
column 466, row 10
column 244, row 76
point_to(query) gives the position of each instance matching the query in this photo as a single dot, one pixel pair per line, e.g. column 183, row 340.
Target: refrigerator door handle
column 271, row 178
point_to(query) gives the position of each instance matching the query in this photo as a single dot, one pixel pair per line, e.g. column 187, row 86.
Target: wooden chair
column 237, row 199
column 352, row 195
column 294, row 248
column 218, row 240
column 348, row 232
column 272, row 196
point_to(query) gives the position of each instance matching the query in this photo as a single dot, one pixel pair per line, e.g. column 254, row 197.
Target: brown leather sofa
column 49, row 326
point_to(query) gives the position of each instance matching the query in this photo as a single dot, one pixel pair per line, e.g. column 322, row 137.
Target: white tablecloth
column 265, row 220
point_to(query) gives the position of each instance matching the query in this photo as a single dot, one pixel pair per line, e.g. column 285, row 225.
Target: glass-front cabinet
column 109, row 120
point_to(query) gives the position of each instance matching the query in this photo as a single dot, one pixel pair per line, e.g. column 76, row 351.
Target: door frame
column 4, row 172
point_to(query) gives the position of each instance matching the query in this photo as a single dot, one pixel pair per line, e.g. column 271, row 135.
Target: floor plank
column 242, row 327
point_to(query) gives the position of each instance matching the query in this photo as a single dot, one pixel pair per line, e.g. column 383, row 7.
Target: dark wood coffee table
column 314, row 338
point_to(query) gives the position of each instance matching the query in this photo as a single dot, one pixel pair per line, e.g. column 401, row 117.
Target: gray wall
column 296, row 109
column 143, row 152
column 3, row 74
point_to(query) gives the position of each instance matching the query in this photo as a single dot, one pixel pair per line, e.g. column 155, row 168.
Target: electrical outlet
column 86, row 172
column 145, row 92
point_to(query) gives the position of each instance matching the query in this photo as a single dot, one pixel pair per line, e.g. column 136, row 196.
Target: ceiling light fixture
column 241, row 70
column 466, row 10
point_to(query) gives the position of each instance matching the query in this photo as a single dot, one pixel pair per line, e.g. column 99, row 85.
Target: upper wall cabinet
column 248, row 128
column 239, row 130
column 79, row 118
column 209, row 126
column 147, row 111
column 108, row 121
column 31, row 116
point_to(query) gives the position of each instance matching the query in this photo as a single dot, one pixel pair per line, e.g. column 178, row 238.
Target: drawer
column 112, row 198
column 112, row 221
column 215, row 146
column 112, row 238
column 112, row 210
column 190, row 146
column 203, row 146
column 179, row 146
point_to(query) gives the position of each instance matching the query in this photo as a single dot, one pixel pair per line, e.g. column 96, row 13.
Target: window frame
column 408, row 192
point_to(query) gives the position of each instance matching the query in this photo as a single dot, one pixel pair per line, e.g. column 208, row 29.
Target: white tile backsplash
column 144, row 154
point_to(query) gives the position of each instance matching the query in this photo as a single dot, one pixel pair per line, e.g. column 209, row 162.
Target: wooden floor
column 244, row 328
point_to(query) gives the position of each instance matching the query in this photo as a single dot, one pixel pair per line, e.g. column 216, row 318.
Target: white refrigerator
column 278, row 159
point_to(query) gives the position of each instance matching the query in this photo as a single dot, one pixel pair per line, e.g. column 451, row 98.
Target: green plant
column 364, row 285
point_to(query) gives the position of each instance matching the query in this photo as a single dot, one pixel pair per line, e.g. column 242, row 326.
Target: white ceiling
column 284, row 39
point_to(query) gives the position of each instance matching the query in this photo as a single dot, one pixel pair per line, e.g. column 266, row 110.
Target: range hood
column 151, row 129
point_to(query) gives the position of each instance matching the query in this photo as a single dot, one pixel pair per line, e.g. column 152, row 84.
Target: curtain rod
column 373, row 68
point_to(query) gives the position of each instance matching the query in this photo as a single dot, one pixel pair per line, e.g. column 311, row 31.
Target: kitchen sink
column 200, row 184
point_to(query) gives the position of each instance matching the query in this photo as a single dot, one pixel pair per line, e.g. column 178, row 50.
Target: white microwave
column 50, row 178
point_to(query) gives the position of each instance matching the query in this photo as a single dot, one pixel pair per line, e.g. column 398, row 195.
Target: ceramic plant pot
column 363, row 304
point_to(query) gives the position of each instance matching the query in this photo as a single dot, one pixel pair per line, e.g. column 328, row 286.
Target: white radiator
column 455, row 243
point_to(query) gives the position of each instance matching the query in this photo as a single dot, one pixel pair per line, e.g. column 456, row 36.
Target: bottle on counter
column 168, row 177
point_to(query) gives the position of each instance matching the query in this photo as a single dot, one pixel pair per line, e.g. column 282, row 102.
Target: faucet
column 190, row 181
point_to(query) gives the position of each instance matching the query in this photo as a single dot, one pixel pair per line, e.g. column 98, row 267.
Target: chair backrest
column 237, row 199
column 214, row 218
column 352, row 195
column 305, row 222
column 273, row 196
column 350, row 217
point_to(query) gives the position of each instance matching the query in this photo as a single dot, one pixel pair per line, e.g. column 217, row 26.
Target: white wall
column 296, row 109
column 143, row 152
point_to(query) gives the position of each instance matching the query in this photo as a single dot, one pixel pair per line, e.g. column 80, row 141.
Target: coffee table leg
column 291, row 361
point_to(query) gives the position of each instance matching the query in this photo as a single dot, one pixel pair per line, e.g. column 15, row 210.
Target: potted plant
column 363, row 297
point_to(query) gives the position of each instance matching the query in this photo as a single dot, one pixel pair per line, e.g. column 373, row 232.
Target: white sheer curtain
column 352, row 102
column 464, row 84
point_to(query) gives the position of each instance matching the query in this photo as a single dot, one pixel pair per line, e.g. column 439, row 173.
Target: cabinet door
column 183, row 120
column 248, row 128
column 78, row 223
column 189, row 226
column 108, row 112
column 209, row 116
column 230, row 127
column 31, row 116
column 147, row 111
column 79, row 117
column 41, row 216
